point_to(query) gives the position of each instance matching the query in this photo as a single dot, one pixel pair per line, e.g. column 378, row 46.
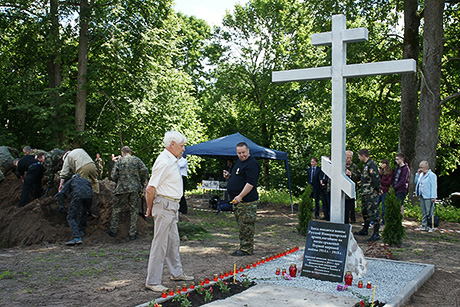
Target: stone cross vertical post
column 338, row 72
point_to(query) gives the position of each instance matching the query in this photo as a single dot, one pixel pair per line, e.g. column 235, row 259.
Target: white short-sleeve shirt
column 166, row 177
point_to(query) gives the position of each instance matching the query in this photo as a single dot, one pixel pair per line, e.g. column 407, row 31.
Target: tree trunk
column 54, row 67
column 409, row 88
column 430, row 109
column 80, row 107
column 409, row 82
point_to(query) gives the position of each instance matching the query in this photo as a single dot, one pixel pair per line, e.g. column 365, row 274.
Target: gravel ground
column 388, row 277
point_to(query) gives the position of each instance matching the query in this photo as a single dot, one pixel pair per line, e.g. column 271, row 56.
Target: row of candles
column 224, row 275
column 349, row 279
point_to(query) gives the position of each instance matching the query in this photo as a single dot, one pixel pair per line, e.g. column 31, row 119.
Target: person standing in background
column 401, row 179
column 352, row 171
column 426, row 189
column 370, row 190
column 183, row 167
column 314, row 175
column 386, row 179
column 99, row 166
column 130, row 174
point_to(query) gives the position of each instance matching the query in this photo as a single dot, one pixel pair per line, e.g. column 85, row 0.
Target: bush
column 305, row 211
column 394, row 231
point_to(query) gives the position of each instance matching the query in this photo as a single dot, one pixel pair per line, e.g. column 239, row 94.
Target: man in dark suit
column 314, row 175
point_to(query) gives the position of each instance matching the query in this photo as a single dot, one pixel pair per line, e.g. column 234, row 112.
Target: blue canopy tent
column 224, row 147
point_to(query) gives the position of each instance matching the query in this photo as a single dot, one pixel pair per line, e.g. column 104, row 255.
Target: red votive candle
column 360, row 284
column 293, row 270
column 221, row 275
column 201, row 282
column 192, row 285
column 215, row 277
column 226, row 273
column 178, row 290
column 184, row 288
column 283, row 271
column 206, row 280
column 263, row 260
column 164, row 294
column 369, row 285
column 171, row 292
column 348, row 278
column 277, row 272
column 248, row 266
column 241, row 269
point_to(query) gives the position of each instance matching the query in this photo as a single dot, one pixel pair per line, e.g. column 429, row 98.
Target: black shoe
column 239, row 253
column 362, row 232
column 111, row 233
column 374, row 237
column 131, row 238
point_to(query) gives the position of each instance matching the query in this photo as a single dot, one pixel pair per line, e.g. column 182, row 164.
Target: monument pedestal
column 356, row 263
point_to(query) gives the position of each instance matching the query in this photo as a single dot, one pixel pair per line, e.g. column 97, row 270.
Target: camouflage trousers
column 245, row 214
column 370, row 208
column 133, row 200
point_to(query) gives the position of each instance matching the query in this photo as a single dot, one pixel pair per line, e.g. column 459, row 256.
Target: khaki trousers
column 165, row 243
column 89, row 171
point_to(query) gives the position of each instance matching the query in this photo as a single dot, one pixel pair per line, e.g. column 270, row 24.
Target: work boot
column 375, row 236
column 363, row 231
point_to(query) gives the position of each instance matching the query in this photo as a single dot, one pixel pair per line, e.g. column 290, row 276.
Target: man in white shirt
column 163, row 193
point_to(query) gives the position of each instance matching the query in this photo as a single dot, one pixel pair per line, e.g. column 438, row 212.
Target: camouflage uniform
column 100, row 167
column 6, row 160
column 53, row 164
column 370, row 188
column 245, row 214
column 130, row 174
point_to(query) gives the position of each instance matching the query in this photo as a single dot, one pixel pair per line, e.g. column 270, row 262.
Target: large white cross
column 339, row 71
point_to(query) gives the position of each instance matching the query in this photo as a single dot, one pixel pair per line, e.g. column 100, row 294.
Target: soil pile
column 40, row 221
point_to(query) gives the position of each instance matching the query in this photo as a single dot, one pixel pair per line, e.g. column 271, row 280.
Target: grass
column 280, row 197
column 6, row 275
column 193, row 231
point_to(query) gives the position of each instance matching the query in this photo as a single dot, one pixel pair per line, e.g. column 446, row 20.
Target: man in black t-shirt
column 242, row 190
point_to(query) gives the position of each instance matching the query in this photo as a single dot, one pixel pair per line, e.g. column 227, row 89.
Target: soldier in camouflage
column 130, row 175
column 53, row 164
column 99, row 165
column 6, row 160
column 370, row 189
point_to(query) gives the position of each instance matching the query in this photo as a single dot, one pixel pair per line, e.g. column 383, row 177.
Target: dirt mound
column 40, row 221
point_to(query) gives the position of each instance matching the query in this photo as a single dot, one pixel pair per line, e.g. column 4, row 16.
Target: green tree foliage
column 134, row 91
column 394, row 232
column 305, row 210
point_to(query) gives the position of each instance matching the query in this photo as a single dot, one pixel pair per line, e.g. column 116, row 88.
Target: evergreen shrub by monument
column 394, row 231
column 305, row 210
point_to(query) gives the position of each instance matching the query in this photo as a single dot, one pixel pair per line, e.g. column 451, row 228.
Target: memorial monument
column 338, row 72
